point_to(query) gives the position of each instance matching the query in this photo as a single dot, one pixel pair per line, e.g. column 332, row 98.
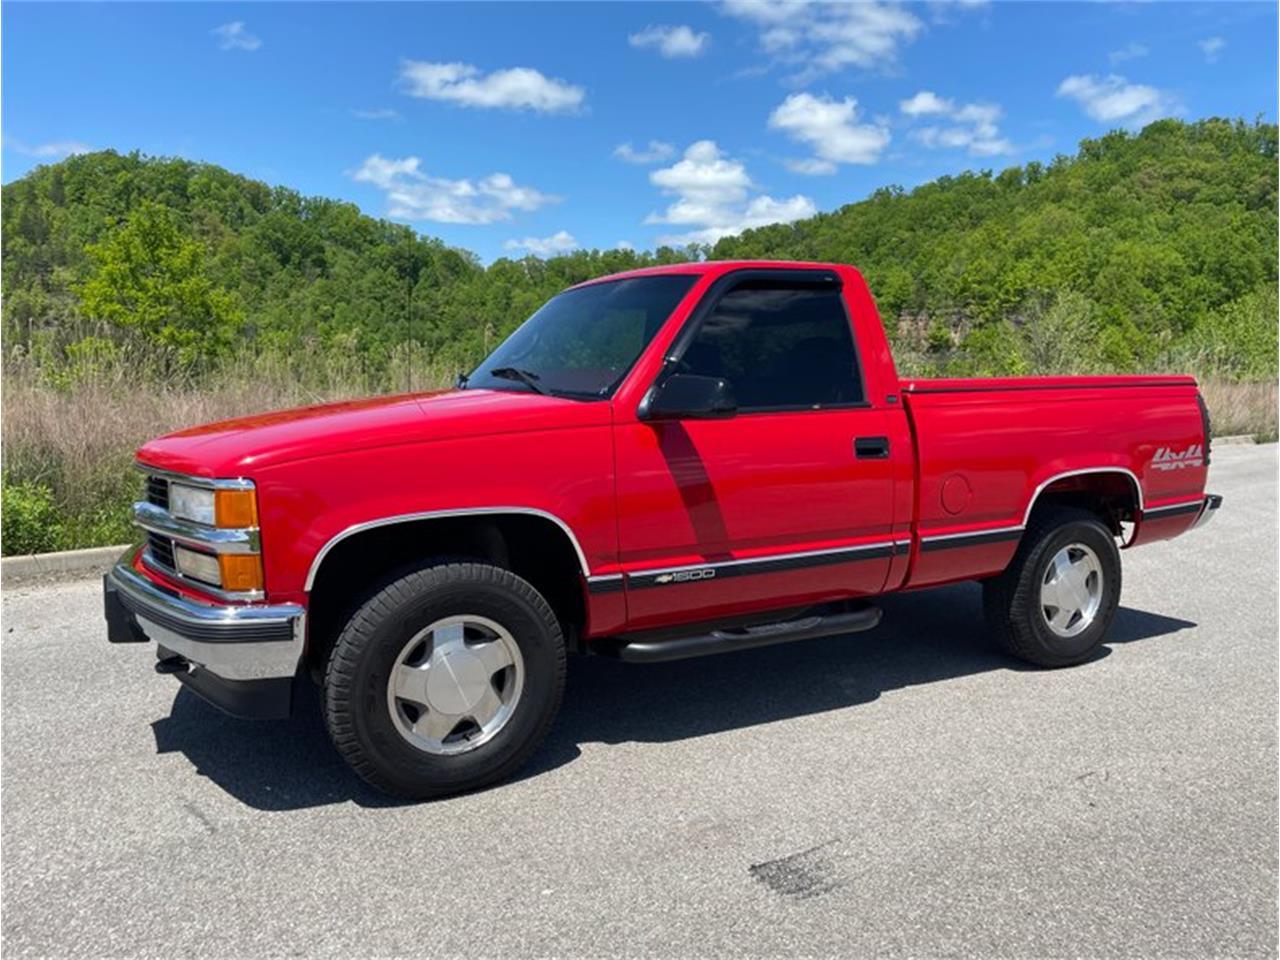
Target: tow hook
column 174, row 663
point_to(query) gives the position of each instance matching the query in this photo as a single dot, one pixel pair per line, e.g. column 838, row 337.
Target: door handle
column 871, row 448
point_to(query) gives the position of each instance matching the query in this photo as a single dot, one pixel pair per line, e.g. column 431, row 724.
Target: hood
column 235, row 448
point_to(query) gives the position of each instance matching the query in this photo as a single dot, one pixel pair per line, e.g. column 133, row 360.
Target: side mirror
column 683, row 396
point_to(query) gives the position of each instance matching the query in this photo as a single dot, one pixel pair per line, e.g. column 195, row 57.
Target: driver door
column 771, row 506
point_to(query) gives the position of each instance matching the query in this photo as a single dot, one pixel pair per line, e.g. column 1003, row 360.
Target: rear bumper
column 242, row 658
column 1212, row 502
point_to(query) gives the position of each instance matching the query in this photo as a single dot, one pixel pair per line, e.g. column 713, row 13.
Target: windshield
column 582, row 342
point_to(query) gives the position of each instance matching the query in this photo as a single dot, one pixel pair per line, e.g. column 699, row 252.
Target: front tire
column 1055, row 602
column 446, row 680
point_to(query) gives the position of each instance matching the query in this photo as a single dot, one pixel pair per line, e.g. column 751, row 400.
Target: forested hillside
column 200, row 262
column 1162, row 245
column 142, row 294
column 1150, row 242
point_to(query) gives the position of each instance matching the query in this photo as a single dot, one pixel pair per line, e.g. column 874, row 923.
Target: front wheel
column 1055, row 602
column 445, row 680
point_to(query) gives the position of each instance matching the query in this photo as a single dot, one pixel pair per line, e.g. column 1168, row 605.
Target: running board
column 658, row 650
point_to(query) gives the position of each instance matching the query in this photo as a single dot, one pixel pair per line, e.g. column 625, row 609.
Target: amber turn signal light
column 235, row 508
column 241, row 571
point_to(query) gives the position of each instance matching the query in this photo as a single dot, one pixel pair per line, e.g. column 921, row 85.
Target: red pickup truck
column 665, row 463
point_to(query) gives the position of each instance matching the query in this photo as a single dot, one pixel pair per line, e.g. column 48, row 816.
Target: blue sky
column 504, row 128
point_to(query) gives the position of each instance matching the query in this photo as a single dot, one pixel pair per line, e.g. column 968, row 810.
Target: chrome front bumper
column 233, row 652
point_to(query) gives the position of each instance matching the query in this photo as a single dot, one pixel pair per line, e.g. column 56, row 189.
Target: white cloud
column 1131, row 51
column 825, row 37
column 671, row 42
column 559, row 242
column 713, row 197
column 519, row 88
column 624, row 245
column 53, row 150
column 974, row 127
column 942, row 9
column 830, row 127
column 1113, row 99
column 1212, row 48
column 234, row 36
column 925, row 102
column 381, row 113
column 655, row 152
column 811, row 166
column 414, row 195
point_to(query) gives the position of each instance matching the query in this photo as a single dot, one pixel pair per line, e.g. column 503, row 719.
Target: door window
column 780, row 347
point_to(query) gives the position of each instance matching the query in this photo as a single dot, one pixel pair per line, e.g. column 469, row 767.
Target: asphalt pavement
column 907, row 791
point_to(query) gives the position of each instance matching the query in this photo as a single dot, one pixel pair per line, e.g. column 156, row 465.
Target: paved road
column 901, row 792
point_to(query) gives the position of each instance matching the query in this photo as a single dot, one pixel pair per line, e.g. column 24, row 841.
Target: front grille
column 158, row 492
column 161, row 550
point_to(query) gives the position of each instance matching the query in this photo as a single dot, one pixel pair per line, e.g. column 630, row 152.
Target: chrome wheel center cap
column 456, row 681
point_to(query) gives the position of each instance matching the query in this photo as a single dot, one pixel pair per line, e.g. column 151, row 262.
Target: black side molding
column 977, row 539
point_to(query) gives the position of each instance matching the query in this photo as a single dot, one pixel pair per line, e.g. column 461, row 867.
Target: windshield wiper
column 527, row 377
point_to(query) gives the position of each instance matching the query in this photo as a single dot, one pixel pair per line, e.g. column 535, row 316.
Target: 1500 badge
column 1167, row 458
column 683, row 576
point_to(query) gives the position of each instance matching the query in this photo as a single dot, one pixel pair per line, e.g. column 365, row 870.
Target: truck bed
column 986, row 448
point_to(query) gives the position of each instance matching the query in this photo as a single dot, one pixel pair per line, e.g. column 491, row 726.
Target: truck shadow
column 287, row 765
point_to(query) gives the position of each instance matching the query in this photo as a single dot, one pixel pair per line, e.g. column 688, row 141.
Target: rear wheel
column 446, row 680
column 1055, row 602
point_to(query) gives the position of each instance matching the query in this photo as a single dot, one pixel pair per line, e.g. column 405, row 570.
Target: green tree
column 150, row 278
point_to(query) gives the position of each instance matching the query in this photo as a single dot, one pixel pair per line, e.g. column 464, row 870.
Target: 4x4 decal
column 1167, row 458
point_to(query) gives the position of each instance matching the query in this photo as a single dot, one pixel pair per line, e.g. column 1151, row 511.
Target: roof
column 701, row 267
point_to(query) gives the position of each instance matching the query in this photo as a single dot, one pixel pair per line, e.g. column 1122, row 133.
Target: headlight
column 231, row 508
column 192, row 503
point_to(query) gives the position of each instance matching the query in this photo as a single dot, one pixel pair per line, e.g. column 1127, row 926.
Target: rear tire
column 446, row 680
column 1055, row 602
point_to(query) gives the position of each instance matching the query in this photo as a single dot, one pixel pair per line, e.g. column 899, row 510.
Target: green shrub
column 30, row 518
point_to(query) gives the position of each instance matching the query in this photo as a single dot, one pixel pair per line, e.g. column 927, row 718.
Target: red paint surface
column 640, row 495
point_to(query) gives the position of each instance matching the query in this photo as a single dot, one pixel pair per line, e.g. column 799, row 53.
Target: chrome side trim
column 441, row 515
column 208, row 483
column 218, row 539
column 1124, row 471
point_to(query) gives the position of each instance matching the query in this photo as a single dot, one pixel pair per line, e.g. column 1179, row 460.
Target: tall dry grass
column 72, row 441
column 1242, row 408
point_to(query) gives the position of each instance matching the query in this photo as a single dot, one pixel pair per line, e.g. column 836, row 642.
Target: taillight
column 1205, row 423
